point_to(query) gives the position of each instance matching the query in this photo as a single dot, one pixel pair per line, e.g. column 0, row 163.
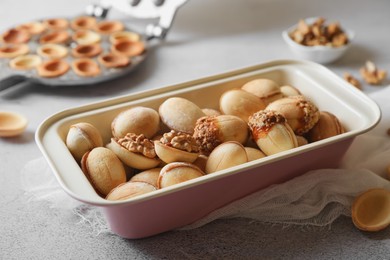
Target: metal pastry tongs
column 143, row 9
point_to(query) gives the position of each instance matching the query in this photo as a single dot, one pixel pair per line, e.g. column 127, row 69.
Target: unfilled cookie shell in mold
column 13, row 50
column 128, row 48
column 15, row 36
column 87, row 51
column 124, row 36
column 86, row 37
column 52, row 51
column 86, row 67
column 83, row 23
column 108, row 27
column 53, row 68
column 25, row 62
column 110, row 60
column 33, row 28
column 60, row 36
column 56, row 23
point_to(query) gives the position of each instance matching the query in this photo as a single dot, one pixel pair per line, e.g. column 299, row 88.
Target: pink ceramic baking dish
column 182, row 204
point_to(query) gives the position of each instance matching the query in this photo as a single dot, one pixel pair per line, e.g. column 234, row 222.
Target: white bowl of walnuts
column 317, row 40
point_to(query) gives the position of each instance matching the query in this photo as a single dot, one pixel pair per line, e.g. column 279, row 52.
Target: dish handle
column 10, row 80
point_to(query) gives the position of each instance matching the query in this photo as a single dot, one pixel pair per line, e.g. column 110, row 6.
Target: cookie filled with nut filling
column 135, row 151
column 176, row 146
column 211, row 131
column 300, row 112
column 271, row 132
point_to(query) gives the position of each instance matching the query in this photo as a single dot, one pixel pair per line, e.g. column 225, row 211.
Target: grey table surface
column 207, row 38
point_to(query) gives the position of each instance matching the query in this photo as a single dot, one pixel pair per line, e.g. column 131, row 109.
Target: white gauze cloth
column 315, row 198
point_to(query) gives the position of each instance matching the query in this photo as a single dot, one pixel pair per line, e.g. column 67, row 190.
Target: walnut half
column 180, row 140
column 138, row 144
column 371, row 74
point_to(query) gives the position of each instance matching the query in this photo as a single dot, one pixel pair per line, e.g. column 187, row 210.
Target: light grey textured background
column 208, row 37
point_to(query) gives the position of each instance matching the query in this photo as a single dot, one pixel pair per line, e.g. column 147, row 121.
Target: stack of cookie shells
column 83, row 46
column 154, row 149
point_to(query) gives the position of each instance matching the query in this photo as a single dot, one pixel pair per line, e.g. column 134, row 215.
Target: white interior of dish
column 329, row 92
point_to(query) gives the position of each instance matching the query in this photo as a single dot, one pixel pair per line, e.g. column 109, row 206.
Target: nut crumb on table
column 352, row 80
column 371, row 74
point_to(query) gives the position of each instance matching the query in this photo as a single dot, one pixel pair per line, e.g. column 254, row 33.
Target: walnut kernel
column 371, row 74
column 138, row 144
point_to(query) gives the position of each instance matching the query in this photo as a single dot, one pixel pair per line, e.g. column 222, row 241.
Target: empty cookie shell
column 371, row 210
column 83, row 23
column 128, row 48
column 129, row 190
column 15, row 36
column 33, row 27
column 12, row 51
column 124, row 36
column 56, row 23
column 108, row 27
column 12, row 124
column 87, row 51
column 55, row 37
column 86, row 37
column 178, row 172
column 25, row 62
column 110, row 60
column 52, row 51
column 53, row 68
column 86, row 67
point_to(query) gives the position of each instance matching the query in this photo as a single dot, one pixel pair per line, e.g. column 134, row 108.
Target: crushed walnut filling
column 311, row 114
column 181, row 141
column 138, row 144
column 264, row 120
column 206, row 133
